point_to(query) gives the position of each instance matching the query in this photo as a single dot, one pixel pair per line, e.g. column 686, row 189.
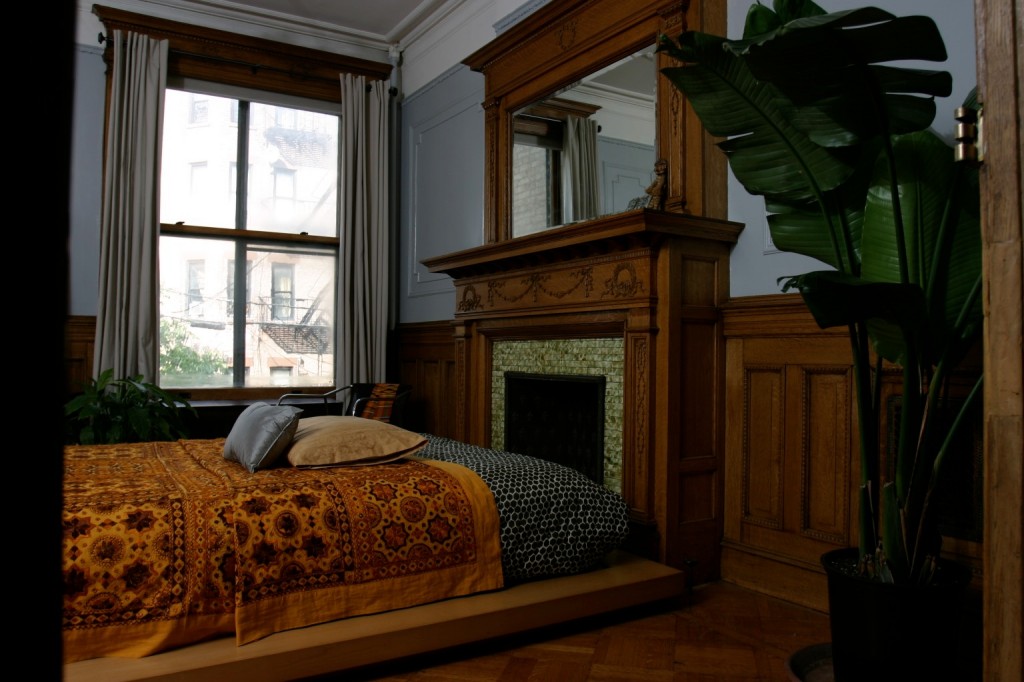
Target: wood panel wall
column 791, row 452
column 79, row 343
column 425, row 356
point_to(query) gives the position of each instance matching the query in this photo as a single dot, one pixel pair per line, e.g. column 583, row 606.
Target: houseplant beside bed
column 837, row 140
column 125, row 410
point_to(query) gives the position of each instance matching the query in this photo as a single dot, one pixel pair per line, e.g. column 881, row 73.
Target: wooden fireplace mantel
column 614, row 232
column 657, row 280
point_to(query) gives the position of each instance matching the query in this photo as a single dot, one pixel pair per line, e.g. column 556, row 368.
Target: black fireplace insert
column 557, row 417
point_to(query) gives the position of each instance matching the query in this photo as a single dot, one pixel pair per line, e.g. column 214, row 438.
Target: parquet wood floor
column 725, row 633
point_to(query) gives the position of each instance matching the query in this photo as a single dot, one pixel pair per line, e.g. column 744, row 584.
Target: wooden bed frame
column 625, row 581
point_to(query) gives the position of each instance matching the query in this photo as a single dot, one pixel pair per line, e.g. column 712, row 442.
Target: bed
column 180, row 560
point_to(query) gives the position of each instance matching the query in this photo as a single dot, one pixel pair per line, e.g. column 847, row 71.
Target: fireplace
column 557, row 417
column 587, row 359
column 633, row 297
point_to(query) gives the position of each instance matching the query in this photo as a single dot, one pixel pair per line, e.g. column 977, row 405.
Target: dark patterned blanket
column 554, row 520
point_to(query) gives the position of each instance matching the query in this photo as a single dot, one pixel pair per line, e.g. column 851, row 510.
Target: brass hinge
column 970, row 139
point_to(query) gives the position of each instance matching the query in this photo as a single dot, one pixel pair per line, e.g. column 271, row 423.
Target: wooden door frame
column 999, row 34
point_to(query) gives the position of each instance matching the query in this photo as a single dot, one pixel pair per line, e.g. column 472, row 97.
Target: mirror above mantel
column 587, row 152
column 598, row 54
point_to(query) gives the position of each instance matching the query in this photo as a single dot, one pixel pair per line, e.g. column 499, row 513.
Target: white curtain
column 127, row 324
column 363, row 270
column 580, row 189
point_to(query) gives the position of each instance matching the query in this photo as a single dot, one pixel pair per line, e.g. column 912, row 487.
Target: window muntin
column 288, row 160
column 230, row 288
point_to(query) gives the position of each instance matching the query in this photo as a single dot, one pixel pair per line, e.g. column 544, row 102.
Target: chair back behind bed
column 381, row 401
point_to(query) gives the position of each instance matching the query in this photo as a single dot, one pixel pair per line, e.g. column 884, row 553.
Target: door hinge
column 970, row 139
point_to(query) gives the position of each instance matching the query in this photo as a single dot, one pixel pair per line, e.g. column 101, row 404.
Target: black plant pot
column 882, row 631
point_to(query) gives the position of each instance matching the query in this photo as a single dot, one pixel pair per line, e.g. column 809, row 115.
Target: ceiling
column 389, row 20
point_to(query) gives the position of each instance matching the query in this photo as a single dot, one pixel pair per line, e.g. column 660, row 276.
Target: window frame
column 255, row 64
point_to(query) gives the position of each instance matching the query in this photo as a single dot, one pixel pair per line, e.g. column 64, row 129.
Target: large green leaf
column 838, row 299
column 940, row 220
column 798, row 128
column 766, row 152
column 827, row 229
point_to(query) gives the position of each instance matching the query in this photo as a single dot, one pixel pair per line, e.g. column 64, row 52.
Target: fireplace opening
column 557, row 417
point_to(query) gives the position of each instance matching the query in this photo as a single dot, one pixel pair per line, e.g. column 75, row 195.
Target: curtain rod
column 237, row 62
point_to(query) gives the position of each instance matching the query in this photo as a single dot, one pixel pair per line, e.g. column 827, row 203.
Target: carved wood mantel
column 656, row 279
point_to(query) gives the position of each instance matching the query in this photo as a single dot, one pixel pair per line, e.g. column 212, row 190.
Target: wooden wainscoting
column 791, row 452
column 425, row 355
column 79, row 342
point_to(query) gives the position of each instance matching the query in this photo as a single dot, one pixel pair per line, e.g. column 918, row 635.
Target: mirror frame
column 564, row 41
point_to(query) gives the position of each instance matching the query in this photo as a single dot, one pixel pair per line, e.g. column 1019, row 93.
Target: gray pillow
column 261, row 434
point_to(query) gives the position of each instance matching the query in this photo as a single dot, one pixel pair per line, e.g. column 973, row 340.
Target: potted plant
column 126, row 410
column 837, row 141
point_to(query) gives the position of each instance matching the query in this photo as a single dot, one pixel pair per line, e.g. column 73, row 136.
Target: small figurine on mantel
column 659, row 188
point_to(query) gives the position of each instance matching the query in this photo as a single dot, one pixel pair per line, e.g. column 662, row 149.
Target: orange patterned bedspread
column 166, row 544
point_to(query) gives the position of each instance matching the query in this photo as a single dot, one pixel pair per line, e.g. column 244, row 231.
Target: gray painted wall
column 441, row 190
column 86, row 180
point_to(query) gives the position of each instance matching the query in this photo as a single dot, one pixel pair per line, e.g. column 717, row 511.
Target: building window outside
column 537, row 185
column 196, row 277
column 199, row 175
column 284, row 193
column 281, row 376
column 199, row 112
column 290, row 256
column 281, row 293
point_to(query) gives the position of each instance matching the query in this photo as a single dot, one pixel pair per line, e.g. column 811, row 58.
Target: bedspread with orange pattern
column 166, row 544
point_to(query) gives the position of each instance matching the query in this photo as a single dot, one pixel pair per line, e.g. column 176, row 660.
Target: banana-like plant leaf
column 847, row 78
column 838, row 299
column 936, row 225
column 766, row 152
column 830, row 229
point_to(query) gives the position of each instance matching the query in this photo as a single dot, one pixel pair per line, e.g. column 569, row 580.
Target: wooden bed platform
column 626, row 581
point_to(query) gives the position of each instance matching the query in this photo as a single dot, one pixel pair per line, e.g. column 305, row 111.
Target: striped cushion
column 378, row 407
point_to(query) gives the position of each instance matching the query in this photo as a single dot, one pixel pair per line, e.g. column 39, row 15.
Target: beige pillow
column 332, row 440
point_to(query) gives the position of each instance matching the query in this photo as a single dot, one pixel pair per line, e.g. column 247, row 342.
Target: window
column 270, row 234
column 199, row 172
column 281, row 291
column 281, row 376
column 284, row 193
column 537, row 190
column 537, row 172
column 198, row 113
column 196, row 275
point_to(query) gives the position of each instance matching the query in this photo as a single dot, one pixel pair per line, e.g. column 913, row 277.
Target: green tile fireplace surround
column 590, row 357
